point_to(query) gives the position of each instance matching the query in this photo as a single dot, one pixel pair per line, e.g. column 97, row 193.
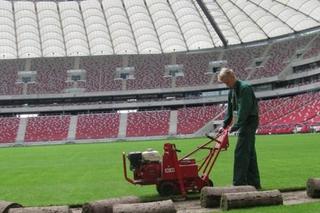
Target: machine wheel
column 167, row 188
column 210, row 183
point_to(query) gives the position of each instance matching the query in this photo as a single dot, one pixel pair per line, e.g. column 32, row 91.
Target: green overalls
column 241, row 99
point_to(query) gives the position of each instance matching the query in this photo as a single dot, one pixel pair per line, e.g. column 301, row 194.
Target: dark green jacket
column 246, row 105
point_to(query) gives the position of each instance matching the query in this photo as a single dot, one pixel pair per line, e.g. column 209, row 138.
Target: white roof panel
column 73, row 29
column 50, row 29
column 8, row 48
column 190, row 21
column 119, row 26
column 104, row 27
column 28, row 38
column 167, row 27
column 97, row 30
column 142, row 25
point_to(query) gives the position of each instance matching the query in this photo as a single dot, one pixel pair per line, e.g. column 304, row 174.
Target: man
column 243, row 117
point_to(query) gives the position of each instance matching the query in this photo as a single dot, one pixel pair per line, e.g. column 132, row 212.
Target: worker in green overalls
column 242, row 116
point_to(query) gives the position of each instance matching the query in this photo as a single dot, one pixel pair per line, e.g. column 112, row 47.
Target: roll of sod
column 49, row 209
column 5, row 206
column 313, row 187
column 166, row 206
column 251, row 199
column 210, row 196
column 105, row 206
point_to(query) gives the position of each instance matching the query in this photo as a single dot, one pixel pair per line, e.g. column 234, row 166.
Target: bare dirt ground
column 193, row 206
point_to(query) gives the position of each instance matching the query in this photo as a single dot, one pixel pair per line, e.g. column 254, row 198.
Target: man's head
column 227, row 76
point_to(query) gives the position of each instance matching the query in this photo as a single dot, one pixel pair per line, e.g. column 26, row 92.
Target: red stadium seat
column 97, row 126
column 149, row 123
column 47, row 128
column 9, row 129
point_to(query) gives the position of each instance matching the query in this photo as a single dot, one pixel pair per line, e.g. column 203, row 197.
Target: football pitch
column 78, row 173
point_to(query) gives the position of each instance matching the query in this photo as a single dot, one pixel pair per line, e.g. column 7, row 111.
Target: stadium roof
column 92, row 27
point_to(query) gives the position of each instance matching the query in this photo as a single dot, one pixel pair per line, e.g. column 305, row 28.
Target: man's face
column 228, row 81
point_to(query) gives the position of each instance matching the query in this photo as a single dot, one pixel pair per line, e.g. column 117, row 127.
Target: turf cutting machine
column 173, row 176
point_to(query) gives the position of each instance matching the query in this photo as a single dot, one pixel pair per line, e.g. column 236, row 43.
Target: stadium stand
column 285, row 106
column 241, row 60
column 47, row 128
column 9, row 129
column 51, row 75
column 97, row 126
column 279, row 129
column 149, row 123
column 277, row 116
column 195, row 69
column 279, row 56
column 300, row 115
column 96, row 37
column 101, row 73
column 190, row 119
column 149, row 72
column 314, row 49
column 282, row 115
column 315, row 120
column 269, row 105
column 9, row 69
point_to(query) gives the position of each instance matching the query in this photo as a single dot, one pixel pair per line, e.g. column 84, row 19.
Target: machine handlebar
column 175, row 148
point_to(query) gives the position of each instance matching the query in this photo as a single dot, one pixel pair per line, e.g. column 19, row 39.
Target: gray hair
column 225, row 72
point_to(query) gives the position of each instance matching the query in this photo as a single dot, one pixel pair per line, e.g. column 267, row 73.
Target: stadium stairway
column 123, row 125
column 173, row 122
column 21, row 130
column 72, row 127
column 209, row 127
column 288, row 69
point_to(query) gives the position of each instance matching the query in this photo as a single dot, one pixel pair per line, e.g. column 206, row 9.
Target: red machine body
column 172, row 175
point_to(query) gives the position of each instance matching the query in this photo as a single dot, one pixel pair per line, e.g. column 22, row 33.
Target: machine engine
column 146, row 166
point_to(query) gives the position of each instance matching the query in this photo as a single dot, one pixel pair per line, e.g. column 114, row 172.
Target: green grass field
column 78, row 173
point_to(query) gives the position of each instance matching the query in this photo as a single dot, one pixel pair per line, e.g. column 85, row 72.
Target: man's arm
column 245, row 106
column 228, row 116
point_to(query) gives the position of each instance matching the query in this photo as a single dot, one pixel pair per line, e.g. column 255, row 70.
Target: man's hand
column 234, row 129
column 220, row 130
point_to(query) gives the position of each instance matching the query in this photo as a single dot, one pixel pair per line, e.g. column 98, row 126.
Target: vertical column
column 21, row 130
column 173, row 81
column 123, row 125
column 173, row 122
column 27, row 65
column 124, row 84
column 60, row 20
column 15, row 27
column 24, row 88
column 38, row 27
column 213, row 78
column 76, row 64
column 72, row 127
column 85, row 28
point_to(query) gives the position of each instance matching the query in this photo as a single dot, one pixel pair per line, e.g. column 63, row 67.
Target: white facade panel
column 119, row 26
column 166, row 25
column 219, row 16
column 143, row 29
column 73, row 29
column 50, row 29
column 28, row 37
column 98, row 35
column 8, row 48
column 190, row 22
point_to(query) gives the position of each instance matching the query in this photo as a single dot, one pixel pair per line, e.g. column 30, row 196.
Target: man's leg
column 253, row 175
column 241, row 160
